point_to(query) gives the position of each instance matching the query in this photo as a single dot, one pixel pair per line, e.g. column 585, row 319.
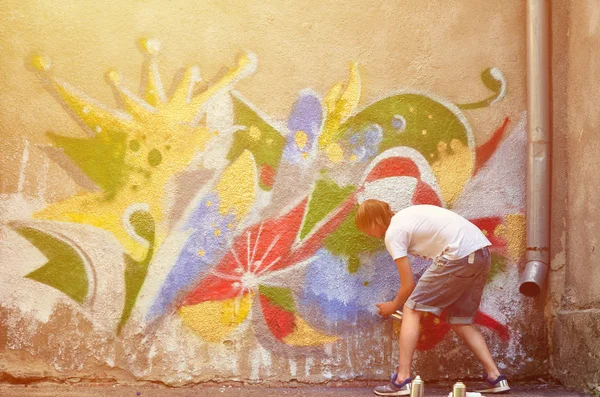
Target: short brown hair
column 373, row 212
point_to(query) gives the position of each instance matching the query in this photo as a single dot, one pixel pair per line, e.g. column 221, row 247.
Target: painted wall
column 195, row 222
column 573, row 309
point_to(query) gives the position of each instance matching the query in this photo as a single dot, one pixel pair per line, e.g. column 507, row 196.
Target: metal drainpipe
column 538, row 169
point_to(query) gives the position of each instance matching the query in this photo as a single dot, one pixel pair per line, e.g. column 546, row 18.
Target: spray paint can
column 459, row 389
column 417, row 388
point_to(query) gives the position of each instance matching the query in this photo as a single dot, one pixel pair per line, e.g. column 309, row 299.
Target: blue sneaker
column 395, row 389
column 497, row 386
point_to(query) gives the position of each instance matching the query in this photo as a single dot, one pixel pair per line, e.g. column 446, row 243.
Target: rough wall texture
column 573, row 308
column 203, row 230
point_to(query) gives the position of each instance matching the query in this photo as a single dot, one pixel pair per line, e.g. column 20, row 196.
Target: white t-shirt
column 429, row 231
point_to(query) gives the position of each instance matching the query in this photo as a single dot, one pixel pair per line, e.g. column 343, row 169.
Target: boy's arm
column 407, row 281
column 407, row 285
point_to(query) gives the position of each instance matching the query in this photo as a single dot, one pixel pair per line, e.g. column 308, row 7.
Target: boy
column 454, row 282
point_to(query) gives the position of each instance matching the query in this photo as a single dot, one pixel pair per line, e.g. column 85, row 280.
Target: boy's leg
column 407, row 342
column 462, row 312
column 476, row 343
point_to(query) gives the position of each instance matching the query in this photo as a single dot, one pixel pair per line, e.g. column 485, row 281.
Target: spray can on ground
column 417, row 388
column 459, row 389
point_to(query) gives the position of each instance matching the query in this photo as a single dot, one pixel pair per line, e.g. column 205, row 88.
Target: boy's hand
column 386, row 309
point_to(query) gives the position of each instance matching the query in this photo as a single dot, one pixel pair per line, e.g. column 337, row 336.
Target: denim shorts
column 454, row 286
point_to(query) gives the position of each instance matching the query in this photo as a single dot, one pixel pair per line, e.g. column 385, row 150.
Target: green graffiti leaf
column 348, row 241
column 411, row 120
column 326, row 196
column 143, row 224
column 64, row 270
column 282, row 297
column 101, row 158
column 260, row 138
column 493, row 80
column 353, row 264
column 498, row 265
column 135, row 274
column 135, row 271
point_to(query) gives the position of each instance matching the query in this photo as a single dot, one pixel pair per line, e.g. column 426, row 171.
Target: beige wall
column 574, row 299
column 318, row 323
column 309, row 44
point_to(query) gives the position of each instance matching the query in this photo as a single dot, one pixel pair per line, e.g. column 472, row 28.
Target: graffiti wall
column 199, row 225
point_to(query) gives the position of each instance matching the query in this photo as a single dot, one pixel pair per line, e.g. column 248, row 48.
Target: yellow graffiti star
column 130, row 155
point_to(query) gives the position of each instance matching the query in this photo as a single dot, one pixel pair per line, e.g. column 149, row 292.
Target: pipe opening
column 534, row 278
column 530, row 289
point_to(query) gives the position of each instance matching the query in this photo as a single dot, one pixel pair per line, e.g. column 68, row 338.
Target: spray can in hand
column 417, row 388
column 459, row 389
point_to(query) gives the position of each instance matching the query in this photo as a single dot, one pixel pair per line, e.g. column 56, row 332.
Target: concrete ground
column 96, row 390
